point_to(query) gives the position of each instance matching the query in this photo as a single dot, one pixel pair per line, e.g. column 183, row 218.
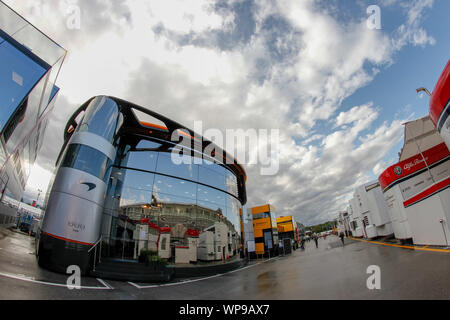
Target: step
column 142, row 277
column 134, row 271
column 206, row 270
column 128, row 267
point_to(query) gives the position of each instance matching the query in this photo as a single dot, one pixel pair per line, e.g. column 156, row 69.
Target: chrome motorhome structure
column 30, row 63
column 115, row 174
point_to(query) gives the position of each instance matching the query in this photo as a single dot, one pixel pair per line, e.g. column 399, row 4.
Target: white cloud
column 411, row 31
column 186, row 15
column 287, row 78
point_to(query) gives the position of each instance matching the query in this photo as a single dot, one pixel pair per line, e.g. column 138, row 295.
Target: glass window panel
column 170, row 190
column 2, row 157
column 42, row 130
column 212, row 177
column 211, row 195
column 136, row 187
column 46, row 92
column 145, row 160
column 87, row 159
column 26, row 119
column 41, row 45
column 101, row 118
column 19, row 75
column 213, row 206
column 10, row 22
column 231, row 183
column 147, row 144
column 166, row 198
column 53, row 89
column 27, row 162
column 213, row 166
column 167, row 166
column 229, row 201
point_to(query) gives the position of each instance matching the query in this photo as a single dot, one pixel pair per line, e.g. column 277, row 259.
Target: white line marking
column 133, row 284
column 105, row 284
column 195, row 280
column 172, row 284
column 30, row 279
column 244, row 268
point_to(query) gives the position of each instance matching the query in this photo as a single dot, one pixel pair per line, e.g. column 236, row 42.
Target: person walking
column 316, row 240
column 341, row 235
column 280, row 247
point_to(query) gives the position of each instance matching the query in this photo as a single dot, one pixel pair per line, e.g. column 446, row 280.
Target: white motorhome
column 355, row 219
column 368, row 213
column 214, row 243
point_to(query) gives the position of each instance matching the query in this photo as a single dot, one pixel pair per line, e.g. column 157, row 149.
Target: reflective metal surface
column 29, row 65
column 182, row 213
column 151, row 206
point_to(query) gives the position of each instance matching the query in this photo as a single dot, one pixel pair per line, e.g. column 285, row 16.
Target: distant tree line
column 322, row 227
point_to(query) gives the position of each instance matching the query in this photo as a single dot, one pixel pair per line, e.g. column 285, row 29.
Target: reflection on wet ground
column 331, row 271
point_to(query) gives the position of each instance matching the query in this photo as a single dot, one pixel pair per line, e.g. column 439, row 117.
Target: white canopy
column 420, row 135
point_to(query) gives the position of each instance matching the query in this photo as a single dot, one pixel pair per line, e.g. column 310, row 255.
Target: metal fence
column 8, row 215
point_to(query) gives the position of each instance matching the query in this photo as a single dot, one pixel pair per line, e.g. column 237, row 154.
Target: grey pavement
column 331, row 271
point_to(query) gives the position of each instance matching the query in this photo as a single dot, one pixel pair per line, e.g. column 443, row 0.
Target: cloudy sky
column 337, row 90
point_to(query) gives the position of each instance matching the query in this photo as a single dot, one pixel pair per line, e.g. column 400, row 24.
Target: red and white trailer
column 440, row 105
column 416, row 188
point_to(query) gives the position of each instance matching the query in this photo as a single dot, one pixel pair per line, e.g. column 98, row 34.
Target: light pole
column 425, row 90
column 443, row 229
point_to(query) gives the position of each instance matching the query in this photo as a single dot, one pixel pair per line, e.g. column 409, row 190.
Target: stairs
column 207, row 270
column 131, row 271
column 114, row 269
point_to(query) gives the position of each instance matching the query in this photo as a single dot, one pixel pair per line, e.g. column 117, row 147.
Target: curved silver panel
column 72, row 218
column 94, row 141
column 75, row 205
column 80, row 184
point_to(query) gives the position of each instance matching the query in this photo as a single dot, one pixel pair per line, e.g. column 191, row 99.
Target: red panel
column 192, row 233
column 68, row 240
column 434, row 188
column 441, row 94
column 413, row 164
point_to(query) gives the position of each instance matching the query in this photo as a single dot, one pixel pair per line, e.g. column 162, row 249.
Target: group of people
column 315, row 237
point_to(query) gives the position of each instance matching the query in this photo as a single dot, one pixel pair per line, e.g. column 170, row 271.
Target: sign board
column 250, row 245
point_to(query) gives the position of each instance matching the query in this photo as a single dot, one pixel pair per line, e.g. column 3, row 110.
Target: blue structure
column 29, row 66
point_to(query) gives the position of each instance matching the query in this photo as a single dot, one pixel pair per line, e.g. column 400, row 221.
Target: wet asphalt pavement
column 328, row 272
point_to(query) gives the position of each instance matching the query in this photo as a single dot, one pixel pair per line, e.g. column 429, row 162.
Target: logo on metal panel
column 398, row 170
column 91, row 186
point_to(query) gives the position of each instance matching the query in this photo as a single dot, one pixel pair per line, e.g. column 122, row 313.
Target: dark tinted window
column 87, row 159
column 102, row 118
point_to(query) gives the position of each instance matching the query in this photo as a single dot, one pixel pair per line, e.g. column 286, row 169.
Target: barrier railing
column 99, row 241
